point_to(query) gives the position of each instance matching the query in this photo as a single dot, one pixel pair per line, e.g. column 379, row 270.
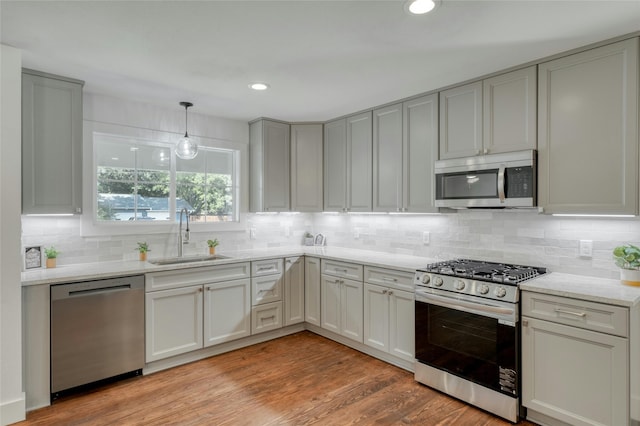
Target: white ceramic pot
column 630, row 277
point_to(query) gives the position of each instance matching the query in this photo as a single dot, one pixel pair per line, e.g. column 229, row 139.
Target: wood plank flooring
column 301, row 379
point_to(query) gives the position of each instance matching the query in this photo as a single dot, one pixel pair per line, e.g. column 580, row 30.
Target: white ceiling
column 323, row 59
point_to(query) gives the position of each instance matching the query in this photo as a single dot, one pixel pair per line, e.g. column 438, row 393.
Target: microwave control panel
column 520, row 182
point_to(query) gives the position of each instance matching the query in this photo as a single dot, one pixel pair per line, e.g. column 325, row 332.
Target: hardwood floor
column 301, row 379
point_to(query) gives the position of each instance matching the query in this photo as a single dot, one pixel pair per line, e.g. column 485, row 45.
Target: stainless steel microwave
column 487, row 181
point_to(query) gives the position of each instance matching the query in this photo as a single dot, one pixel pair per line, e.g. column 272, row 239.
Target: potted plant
column 628, row 259
column 143, row 248
column 51, row 253
column 212, row 246
column 308, row 239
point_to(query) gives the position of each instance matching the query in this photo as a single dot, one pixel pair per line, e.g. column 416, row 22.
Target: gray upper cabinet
column 51, row 144
column 491, row 116
column 588, row 131
column 387, row 159
column 509, row 111
column 269, row 156
column 419, row 153
column 405, row 147
column 306, row 167
column 461, row 121
column 348, row 164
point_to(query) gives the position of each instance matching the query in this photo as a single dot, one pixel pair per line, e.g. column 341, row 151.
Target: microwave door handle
column 501, row 173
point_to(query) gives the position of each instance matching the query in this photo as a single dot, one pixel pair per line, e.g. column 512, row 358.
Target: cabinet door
column 588, row 131
column 577, row 376
column 306, row 167
column 168, row 334
column 509, row 111
column 269, row 157
column 312, row 290
column 376, row 317
column 330, row 303
column 461, row 121
column 335, row 165
column 420, row 151
column 359, row 155
column 352, row 310
column 51, row 145
column 227, row 311
column 266, row 317
column 402, row 324
column 293, row 290
column 387, row 159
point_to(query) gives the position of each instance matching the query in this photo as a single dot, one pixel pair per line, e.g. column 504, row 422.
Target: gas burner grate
column 485, row 271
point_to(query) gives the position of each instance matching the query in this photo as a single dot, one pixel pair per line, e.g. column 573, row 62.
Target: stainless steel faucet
column 183, row 240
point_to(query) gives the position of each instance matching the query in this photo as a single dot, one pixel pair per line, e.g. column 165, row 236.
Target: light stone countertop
column 100, row 270
column 593, row 289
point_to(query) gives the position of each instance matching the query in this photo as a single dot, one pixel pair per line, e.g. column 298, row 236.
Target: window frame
column 91, row 226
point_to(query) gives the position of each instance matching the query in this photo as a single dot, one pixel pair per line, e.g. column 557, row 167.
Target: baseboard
column 13, row 411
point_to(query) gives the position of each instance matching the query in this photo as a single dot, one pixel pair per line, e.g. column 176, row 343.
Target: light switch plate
column 426, row 237
column 586, row 248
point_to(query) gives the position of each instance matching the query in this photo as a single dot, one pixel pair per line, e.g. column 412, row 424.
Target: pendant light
column 186, row 148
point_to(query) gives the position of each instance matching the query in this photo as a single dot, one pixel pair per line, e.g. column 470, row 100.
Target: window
column 143, row 181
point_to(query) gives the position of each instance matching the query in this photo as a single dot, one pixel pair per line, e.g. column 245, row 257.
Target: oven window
column 467, row 345
column 479, row 184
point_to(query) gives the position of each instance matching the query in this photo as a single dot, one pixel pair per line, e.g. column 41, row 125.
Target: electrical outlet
column 586, row 248
column 426, row 238
column 356, row 233
column 252, row 233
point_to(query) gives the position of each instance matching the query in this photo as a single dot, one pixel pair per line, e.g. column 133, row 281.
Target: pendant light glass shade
column 186, row 148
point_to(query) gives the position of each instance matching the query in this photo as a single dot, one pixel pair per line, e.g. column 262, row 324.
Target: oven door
column 477, row 341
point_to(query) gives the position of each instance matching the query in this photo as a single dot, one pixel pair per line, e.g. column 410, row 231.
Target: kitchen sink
column 186, row 259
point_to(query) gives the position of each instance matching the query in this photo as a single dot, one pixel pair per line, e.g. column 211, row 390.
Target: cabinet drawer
column 342, row 269
column 196, row 276
column 389, row 277
column 266, row 317
column 266, row 289
column 578, row 313
column 266, row 267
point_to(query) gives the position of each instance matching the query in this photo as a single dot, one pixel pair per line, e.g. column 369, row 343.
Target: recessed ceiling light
column 420, row 7
column 259, row 86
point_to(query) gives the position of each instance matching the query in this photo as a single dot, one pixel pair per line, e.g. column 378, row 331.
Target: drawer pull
column 576, row 314
column 267, row 318
column 267, row 268
column 385, row 291
column 389, row 279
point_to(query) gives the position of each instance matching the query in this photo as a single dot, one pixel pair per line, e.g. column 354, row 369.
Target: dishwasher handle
column 91, row 288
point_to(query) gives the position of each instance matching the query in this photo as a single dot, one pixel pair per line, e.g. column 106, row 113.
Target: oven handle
column 496, row 312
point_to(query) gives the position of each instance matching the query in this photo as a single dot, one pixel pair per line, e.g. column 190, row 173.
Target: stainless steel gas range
column 467, row 331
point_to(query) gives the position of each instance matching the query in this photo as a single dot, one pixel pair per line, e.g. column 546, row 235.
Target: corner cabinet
column 575, row 361
column 269, row 146
column 51, row 144
column 294, row 290
column 306, row 167
column 347, row 164
column 588, row 131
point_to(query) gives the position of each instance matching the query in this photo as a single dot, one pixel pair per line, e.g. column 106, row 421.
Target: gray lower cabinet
column 575, row 361
column 269, row 145
column 312, row 290
column 267, row 289
column 51, row 144
column 294, row 290
column 588, row 131
column 342, row 299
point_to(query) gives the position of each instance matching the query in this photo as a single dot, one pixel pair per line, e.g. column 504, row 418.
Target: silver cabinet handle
column 576, row 314
column 389, row 279
column 266, row 318
column 525, row 323
column 390, row 292
column 385, row 291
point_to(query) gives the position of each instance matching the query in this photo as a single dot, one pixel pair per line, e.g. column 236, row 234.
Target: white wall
column 12, row 398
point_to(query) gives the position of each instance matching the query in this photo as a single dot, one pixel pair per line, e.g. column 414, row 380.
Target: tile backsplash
column 524, row 237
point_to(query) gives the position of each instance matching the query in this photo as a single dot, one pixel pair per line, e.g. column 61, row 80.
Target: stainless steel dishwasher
column 97, row 331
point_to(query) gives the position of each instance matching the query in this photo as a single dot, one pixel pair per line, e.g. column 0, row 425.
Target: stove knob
column 437, row 281
column 500, row 291
column 425, row 279
column 459, row 285
column 484, row 289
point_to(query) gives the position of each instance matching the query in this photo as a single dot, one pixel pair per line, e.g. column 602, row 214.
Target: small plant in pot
column 143, row 248
column 628, row 259
column 212, row 245
column 52, row 254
